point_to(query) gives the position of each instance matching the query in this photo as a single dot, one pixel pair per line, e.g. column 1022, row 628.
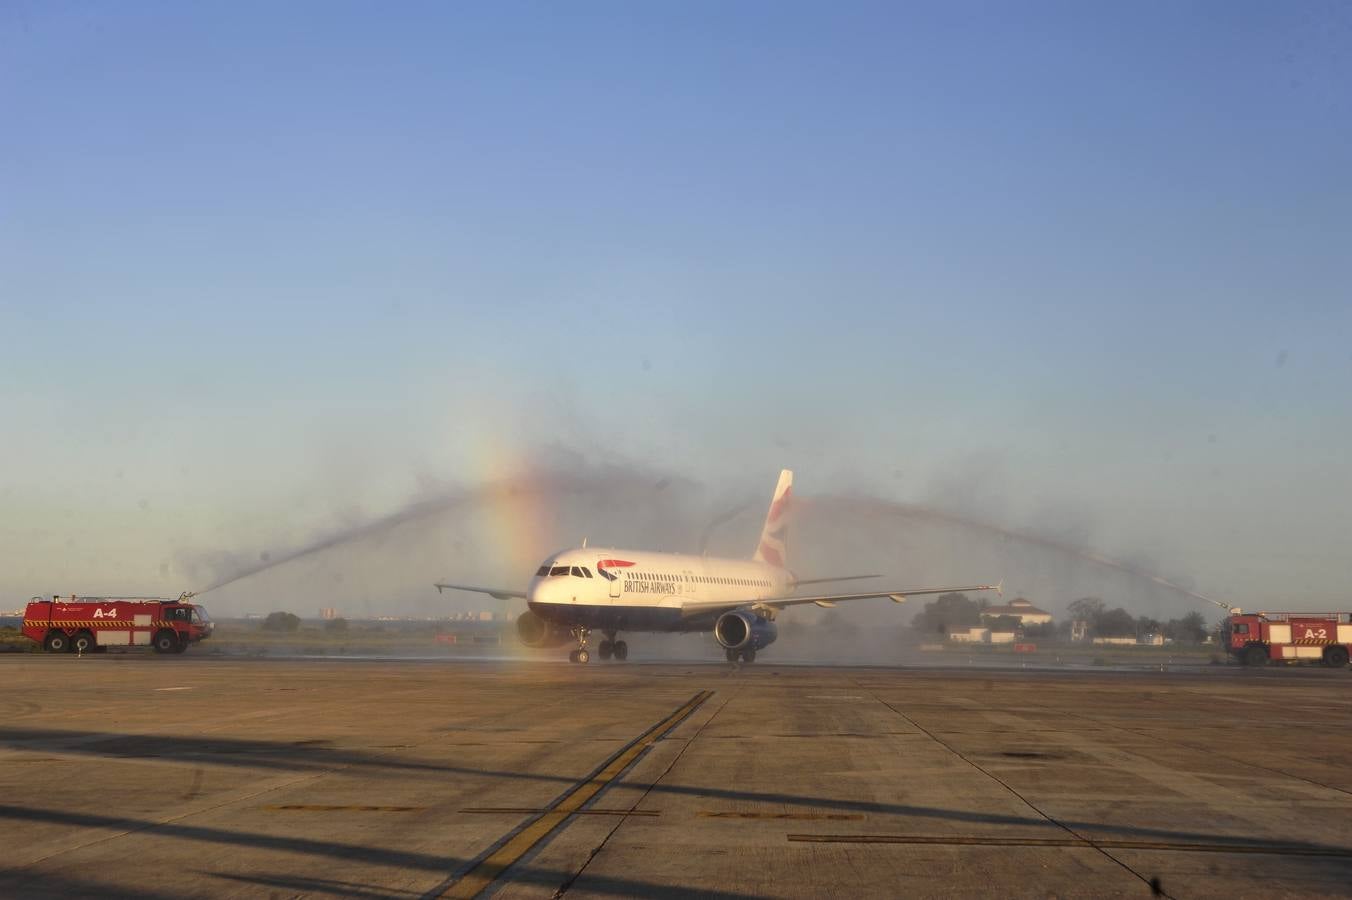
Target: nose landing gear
column 580, row 655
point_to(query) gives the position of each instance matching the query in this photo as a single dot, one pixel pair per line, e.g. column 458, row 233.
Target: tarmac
column 136, row 775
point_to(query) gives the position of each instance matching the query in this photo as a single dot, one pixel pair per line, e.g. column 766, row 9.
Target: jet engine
column 535, row 631
column 742, row 630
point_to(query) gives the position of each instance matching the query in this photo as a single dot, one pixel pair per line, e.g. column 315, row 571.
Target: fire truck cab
column 1255, row 639
column 87, row 624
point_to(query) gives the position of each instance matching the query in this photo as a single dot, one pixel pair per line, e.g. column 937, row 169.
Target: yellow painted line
column 1094, row 843
column 840, row 817
column 527, row 811
column 488, row 869
column 319, row 807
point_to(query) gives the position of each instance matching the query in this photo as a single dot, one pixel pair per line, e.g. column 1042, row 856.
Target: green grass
column 359, row 638
column 1094, row 654
column 13, row 641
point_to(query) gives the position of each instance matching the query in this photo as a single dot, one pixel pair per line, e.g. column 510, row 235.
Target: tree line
column 956, row 612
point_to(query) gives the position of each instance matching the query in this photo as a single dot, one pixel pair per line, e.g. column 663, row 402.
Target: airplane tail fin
column 773, row 546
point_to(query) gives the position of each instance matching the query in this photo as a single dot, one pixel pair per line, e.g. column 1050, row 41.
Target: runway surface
column 170, row 777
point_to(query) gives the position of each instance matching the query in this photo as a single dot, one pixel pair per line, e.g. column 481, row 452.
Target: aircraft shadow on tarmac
column 306, row 756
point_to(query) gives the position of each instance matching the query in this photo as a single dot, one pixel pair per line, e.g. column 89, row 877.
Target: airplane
column 579, row 590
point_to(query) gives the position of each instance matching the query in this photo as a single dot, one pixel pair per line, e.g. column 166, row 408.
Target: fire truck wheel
column 1255, row 656
column 56, row 642
column 166, row 642
column 83, row 642
column 1335, row 657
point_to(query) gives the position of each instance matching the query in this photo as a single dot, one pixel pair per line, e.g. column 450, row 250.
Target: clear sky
column 1081, row 268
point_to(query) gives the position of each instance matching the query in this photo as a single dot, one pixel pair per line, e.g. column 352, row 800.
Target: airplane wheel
column 748, row 656
column 606, row 649
column 621, row 651
column 731, row 655
column 572, row 656
column 583, row 656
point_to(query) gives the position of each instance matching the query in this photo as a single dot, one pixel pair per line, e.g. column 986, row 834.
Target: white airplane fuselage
column 639, row 590
column 612, row 591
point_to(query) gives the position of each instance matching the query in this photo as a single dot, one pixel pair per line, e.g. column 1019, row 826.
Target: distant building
column 979, row 635
column 1021, row 609
column 1114, row 640
column 328, row 612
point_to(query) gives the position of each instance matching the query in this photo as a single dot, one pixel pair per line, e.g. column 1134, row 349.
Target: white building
column 1021, row 609
column 979, row 635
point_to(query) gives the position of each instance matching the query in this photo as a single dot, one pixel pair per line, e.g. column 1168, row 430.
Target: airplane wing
column 896, row 596
column 827, row 600
column 500, row 593
column 837, row 578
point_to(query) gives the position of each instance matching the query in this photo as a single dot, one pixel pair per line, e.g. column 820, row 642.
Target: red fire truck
column 85, row 624
column 1257, row 638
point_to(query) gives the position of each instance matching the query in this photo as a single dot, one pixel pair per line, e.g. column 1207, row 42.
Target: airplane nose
column 542, row 591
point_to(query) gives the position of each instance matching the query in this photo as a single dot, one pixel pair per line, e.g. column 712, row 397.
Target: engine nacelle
column 535, row 631
column 743, row 630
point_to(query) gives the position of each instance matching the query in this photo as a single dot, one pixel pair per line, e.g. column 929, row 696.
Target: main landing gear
column 608, row 648
column 611, row 647
column 747, row 656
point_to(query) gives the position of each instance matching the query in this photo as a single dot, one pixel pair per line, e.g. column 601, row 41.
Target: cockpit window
column 586, row 572
column 576, row 572
column 542, row 572
column 559, row 570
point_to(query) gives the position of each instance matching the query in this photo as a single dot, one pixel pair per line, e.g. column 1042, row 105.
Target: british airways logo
column 603, row 564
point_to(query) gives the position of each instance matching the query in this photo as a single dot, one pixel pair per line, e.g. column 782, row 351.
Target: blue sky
column 1013, row 257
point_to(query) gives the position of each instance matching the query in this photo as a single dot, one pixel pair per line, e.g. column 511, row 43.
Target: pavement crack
column 567, row 885
column 1152, row 883
column 509, row 850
